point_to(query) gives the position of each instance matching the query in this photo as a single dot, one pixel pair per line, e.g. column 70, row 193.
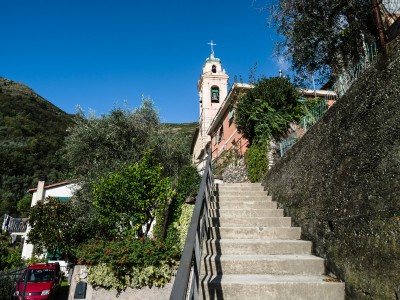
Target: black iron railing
column 187, row 280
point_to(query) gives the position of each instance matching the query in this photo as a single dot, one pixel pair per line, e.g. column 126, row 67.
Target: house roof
column 50, row 186
column 225, row 105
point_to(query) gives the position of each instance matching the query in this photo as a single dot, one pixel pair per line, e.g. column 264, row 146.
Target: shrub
column 182, row 225
column 34, row 260
column 128, row 262
column 7, row 285
column 187, row 186
column 161, row 216
column 256, row 161
column 10, row 257
column 102, row 275
column 227, row 158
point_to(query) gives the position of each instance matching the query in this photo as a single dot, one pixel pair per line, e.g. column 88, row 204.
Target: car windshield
column 40, row 275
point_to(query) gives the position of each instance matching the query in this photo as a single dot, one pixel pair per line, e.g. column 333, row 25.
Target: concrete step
column 231, row 193
column 272, row 287
column 238, row 198
column 226, row 188
column 242, row 184
column 252, row 221
column 253, row 253
column 265, row 212
column 272, row 233
column 264, row 264
column 257, row 246
column 248, row 204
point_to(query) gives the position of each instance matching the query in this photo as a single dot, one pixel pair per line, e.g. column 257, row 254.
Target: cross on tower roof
column 212, row 48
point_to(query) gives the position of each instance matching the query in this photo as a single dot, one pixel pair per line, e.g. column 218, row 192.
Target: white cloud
column 282, row 63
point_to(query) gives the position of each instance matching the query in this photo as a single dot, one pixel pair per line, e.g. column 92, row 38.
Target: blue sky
column 98, row 54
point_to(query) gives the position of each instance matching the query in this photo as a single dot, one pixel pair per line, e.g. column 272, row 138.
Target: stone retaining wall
column 341, row 184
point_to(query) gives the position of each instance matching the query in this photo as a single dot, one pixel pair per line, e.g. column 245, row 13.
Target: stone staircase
column 254, row 253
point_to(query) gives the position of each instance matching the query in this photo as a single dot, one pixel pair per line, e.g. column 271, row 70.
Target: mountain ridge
column 32, row 132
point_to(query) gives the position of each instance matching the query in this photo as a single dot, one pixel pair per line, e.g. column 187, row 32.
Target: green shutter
column 63, row 199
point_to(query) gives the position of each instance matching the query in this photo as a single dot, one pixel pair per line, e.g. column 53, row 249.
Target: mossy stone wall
column 341, row 184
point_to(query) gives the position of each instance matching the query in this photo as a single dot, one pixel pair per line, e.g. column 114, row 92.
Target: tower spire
column 212, row 47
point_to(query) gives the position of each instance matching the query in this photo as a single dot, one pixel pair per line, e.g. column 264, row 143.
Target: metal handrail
column 187, row 280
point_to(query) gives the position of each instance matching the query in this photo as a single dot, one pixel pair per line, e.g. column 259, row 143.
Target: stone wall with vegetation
column 341, row 184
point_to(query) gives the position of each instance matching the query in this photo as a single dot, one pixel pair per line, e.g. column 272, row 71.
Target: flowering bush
column 128, row 262
column 102, row 275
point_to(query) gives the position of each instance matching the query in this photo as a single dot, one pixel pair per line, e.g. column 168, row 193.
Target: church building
column 213, row 89
column 217, row 131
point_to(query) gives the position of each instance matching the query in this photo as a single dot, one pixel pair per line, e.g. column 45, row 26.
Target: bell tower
column 213, row 89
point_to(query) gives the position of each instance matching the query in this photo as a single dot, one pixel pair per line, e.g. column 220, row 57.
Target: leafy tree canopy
column 267, row 109
column 10, row 257
column 129, row 198
column 98, row 148
column 171, row 149
column 323, row 36
column 98, row 145
column 52, row 225
column 62, row 225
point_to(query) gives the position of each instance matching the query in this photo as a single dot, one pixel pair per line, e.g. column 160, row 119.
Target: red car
column 39, row 281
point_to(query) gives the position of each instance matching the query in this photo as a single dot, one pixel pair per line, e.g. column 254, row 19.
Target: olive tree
column 99, row 148
column 323, row 36
column 97, row 145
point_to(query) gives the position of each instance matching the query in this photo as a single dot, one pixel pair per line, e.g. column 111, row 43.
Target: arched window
column 215, row 94
column 214, row 69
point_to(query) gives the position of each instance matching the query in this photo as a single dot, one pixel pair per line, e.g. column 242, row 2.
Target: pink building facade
column 223, row 132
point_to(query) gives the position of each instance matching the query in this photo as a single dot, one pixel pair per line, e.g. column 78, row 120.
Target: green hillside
column 32, row 130
column 186, row 129
column 183, row 131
